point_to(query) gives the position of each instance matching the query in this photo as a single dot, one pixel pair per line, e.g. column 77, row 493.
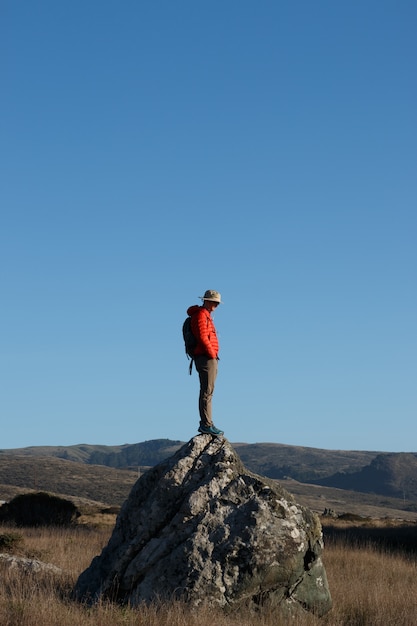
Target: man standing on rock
column 206, row 356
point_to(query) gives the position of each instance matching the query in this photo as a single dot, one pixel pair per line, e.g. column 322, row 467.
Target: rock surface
column 28, row 565
column 201, row 527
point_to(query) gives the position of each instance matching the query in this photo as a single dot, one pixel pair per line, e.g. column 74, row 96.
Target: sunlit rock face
column 201, row 527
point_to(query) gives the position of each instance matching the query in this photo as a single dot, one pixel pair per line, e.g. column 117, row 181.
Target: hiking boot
column 210, row 430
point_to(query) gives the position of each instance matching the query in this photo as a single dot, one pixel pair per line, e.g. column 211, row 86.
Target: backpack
column 190, row 341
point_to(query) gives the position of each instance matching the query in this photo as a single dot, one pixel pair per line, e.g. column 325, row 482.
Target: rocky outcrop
column 28, row 565
column 201, row 527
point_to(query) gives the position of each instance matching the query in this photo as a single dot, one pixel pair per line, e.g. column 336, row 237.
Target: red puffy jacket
column 203, row 329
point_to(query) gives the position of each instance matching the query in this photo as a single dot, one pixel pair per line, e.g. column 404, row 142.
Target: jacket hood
column 193, row 309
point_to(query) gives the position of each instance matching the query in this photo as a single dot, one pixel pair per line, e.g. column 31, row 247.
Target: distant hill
column 300, row 463
column 393, row 474
column 388, row 474
column 93, row 482
column 122, row 456
column 269, row 459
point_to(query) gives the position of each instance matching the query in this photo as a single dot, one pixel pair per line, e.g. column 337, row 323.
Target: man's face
column 210, row 305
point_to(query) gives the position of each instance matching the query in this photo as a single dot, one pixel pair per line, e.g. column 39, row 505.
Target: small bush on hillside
column 39, row 509
column 351, row 517
column 9, row 541
column 112, row 510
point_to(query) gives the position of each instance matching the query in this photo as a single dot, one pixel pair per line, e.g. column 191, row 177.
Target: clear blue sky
column 152, row 150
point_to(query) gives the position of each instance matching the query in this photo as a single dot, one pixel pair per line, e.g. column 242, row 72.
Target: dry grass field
column 371, row 585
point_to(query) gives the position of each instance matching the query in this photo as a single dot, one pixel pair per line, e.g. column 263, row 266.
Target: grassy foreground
column 370, row 586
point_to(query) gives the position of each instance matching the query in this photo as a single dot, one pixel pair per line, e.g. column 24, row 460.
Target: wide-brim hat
column 212, row 295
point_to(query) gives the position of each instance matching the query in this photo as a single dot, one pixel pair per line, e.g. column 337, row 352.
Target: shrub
column 39, row 509
column 9, row 541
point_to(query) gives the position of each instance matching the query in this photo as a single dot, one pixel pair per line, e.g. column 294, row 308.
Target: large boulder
column 201, row 527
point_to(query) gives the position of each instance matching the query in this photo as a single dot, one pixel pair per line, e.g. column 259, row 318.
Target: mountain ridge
column 383, row 473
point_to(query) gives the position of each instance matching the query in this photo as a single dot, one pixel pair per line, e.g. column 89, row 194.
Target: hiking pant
column 207, row 371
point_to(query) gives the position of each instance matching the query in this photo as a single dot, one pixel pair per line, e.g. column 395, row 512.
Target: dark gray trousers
column 207, row 371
